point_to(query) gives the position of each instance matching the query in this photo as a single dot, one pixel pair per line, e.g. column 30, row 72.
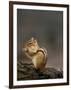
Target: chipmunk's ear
column 32, row 38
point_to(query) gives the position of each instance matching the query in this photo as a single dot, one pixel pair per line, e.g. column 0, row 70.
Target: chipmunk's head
column 31, row 46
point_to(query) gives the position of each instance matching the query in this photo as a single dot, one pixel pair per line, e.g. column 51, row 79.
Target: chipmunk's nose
column 24, row 49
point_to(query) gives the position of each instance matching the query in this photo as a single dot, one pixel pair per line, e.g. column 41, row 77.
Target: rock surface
column 26, row 71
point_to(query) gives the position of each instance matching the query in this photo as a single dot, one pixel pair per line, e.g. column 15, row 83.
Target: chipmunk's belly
column 38, row 60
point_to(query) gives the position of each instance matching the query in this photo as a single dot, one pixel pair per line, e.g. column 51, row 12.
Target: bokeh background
column 47, row 28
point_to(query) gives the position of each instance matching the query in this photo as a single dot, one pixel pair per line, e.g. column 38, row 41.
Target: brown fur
column 35, row 53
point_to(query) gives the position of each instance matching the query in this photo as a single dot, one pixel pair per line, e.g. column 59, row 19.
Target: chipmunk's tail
column 44, row 51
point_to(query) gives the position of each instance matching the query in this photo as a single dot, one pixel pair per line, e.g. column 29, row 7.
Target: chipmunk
column 35, row 53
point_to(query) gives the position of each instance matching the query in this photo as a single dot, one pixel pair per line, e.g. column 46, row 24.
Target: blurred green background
column 47, row 28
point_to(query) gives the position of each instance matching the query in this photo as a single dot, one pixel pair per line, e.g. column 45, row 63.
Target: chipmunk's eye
column 30, row 43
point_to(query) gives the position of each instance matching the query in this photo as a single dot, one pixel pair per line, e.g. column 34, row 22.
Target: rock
column 26, row 71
